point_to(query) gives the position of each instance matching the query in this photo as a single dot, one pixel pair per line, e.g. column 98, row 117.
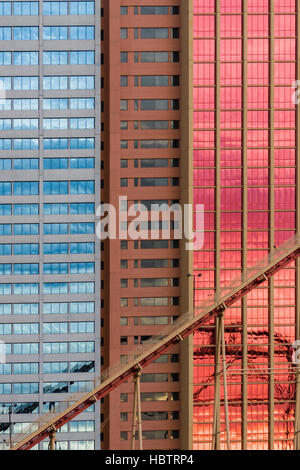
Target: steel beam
column 222, row 327
column 217, row 403
column 245, row 226
column 297, row 332
column 185, row 327
column 216, row 424
column 137, row 412
column 271, row 219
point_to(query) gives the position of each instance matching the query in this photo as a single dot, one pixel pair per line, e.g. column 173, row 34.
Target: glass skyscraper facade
column 246, row 139
column 50, row 187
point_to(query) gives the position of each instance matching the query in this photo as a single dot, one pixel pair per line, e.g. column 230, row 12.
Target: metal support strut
column 216, row 418
column 52, row 437
column 225, row 382
column 137, row 411
column 220, row 341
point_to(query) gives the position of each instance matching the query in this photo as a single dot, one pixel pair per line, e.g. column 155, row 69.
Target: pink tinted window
column 257, row 119
column 283, row 97
column 258, row 220
column 231, row 139
column 204, row 158
column 259, row 138
column 230, row 6
column 204, row 26
column 258, row 198
column 231, row 26
column 281, row 237
column 231, row 158
column 285, row 176
column 258, row 157
column 231, row 199
column 231, row 177
column 285, row 49
column 204, row 50
column 258, row 26
column 231, row 98
column 230, row 241
column 231, row 119
column 284, row 6
column 258, row 49
column 204, row 98
column 284, row 198
column 204, row 139
column 204, row 6
column 204, row 120
column 258, row 6
column 285, row 157
column 231, row 221
column 205, row 196
column 231, row 74
column 285, row 119
column 285, row 74
column 204, row 74
column 205, row 177
column 284, row 138
column 285, row 25
column 231, row 50
column 258, row 97
column 285, row 220
column 258, row 73
column 258, row 177
column 257, row 240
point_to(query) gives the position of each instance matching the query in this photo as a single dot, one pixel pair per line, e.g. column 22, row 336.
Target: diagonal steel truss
column 185, row 326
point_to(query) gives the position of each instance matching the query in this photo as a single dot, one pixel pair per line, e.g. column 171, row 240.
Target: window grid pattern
column 245, row 169
column 50, row 124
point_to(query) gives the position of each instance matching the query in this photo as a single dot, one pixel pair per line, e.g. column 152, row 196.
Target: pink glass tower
column 246, row 168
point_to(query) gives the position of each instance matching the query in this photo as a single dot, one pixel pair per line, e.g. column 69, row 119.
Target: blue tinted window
column 5, row 189
column 55, row 187
column 82, row 208
column 82, row 228
column 5, row 229
column 55, row 229
column 81, row 162
column 5, row 33
column 55, row 33
column 82, row 187
column 5, row 250
column 26, row 8
column 82, row 248
column 60, row 144
column 26, row 188
column 26, row 164
column 26, row 209
column 5, row 209
column 61, row 208
column 5, row 8
column 56, row 248
column 55, row 163
column 55, row 8
column 26, row 33
column 26, row 249
column 26, row 229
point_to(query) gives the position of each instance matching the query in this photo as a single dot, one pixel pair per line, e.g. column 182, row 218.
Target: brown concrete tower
column 141, row 123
